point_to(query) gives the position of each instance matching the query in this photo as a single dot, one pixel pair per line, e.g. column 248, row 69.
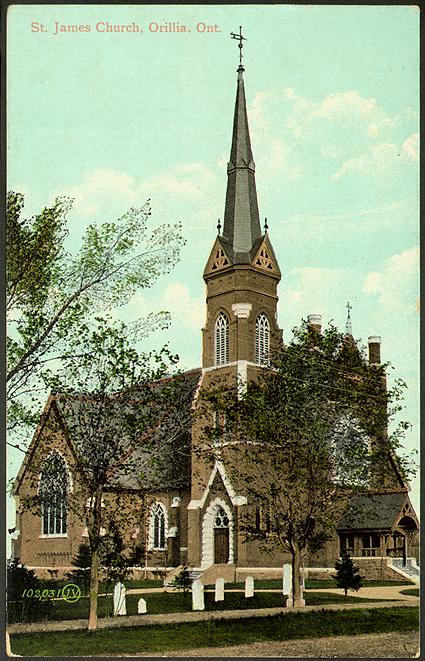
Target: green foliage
column 347, row 576
column 19, row 607
column 308, row 434
column 52, row 294
column 81, row 575
column 182, row 581
column 116, row 560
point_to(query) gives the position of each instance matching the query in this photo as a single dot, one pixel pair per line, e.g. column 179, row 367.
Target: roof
column 241, row 227
column 159, row 458
column 374, row 511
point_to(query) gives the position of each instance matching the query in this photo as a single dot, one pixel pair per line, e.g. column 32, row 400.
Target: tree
column 122, row 412
column 24, row 594
column 51, row 293
column 307, row 435
column 81, row 575
column 347, row 576
column 182, row 581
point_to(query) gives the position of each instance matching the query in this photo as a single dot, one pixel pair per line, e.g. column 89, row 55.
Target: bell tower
column 240, row 333
column 242, row 272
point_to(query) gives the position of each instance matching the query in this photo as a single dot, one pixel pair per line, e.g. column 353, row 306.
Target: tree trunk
column 94, row 524
column 296, row 575
column 94, row 589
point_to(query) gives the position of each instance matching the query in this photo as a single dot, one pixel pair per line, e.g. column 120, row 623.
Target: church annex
column 191, row 516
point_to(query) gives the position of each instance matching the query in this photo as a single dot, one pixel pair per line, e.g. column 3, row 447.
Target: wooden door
column 221, row 546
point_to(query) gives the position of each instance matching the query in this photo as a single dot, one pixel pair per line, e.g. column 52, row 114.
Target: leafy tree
column 81, row 575
column 122, row 412
column 50, row 293
column 21, row 608
column 307, row 434
column 182, row 581
column 347, row 576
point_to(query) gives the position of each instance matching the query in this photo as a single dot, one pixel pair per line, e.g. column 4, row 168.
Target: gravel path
column 383, row 645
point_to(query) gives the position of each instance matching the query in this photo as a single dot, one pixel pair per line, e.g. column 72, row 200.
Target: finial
column 218, row 226
column 348, row 326
column 240, row 45
column 266, row 227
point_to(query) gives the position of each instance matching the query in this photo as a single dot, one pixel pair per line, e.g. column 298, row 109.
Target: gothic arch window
column 262, row 339
column 221, row 333
column 158, row 526
column 53, row 492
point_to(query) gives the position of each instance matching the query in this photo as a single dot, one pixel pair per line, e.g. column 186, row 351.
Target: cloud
column 378, row 160
column 350, row 107
column 273, row 154
column 396, row 284
column 311, row 290
column 99, row 188
column 106, row 188
column 411, row 147
column 188, row 311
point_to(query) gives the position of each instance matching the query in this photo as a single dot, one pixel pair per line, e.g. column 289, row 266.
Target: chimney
column 315, row 322
column 374, row 350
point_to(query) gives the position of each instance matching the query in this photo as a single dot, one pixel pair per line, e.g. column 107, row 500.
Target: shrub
column 22, row 608
column 347, row 576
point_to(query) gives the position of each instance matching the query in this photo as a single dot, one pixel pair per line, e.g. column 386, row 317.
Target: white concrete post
column 198, row 603
column 219, row 589
column 249, row 586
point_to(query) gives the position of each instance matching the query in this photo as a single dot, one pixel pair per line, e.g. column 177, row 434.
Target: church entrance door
column 221, row 546
column 221, row 537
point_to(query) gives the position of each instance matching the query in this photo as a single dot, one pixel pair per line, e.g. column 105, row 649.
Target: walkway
column 196, row 616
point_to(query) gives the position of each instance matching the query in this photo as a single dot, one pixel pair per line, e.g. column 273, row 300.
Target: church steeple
column 242, row 272
column 241, row 228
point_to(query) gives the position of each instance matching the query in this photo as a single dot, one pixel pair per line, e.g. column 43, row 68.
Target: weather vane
column 240, row 44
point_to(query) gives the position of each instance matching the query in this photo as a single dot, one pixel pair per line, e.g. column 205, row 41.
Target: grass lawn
column 177, row 602
column 413, row 591
column 276, row 584
column 164, row 638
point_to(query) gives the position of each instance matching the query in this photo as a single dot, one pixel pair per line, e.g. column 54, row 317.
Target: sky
column 115, row 118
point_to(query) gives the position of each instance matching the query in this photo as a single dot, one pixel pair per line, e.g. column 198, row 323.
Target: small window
column 221, row 340
column 53, row 493
column 262, row 340
column 371, row 545
column 221, row 520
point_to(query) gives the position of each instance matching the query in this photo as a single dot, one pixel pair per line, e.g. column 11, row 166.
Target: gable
column 218, row 259
column 50, row 435
column 265, row 258
column 221, row 471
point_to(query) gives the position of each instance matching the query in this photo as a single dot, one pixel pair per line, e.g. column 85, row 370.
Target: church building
column 193, row 521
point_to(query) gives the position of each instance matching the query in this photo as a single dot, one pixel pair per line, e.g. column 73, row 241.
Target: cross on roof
column 240, row 44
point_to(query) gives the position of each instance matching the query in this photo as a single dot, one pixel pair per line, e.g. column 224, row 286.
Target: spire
column 348, row 325
column 241, row 227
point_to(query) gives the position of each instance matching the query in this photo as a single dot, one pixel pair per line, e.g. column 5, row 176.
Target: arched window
column 221, row 520
column 262, row 340
column 157, row 526
column 53, row 493
column 221, row 339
